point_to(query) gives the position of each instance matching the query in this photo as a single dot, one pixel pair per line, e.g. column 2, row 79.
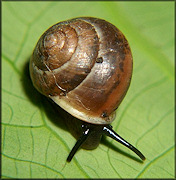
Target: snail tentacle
column 78, row 144
column 107, row 130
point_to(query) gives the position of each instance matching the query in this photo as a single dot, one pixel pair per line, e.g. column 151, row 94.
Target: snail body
column 85, row 66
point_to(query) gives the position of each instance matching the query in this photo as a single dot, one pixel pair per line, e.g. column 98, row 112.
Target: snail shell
column 85, row 66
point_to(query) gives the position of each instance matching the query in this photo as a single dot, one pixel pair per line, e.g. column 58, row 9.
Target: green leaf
column 36, row 143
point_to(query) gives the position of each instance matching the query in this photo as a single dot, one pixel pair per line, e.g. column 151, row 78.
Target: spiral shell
column 85, row 66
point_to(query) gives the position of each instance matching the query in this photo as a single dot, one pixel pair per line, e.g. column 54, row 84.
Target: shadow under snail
column 85, row 66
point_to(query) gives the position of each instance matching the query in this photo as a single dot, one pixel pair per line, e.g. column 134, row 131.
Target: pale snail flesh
column 85, row 66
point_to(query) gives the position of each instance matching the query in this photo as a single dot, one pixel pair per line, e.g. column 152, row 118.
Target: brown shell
column 85, row 66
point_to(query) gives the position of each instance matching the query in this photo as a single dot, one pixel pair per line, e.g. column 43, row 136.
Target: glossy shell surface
column 85, row 66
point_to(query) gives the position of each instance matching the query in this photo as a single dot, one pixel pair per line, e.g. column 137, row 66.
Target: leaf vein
column 21, row 126
column 154, row 160
column 154, row 126
column 33, row 162
column 11, row 63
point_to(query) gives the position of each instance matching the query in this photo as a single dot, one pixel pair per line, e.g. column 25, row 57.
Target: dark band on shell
column 87, row 61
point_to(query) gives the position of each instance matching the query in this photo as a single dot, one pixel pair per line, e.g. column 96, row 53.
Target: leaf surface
column 35, row 142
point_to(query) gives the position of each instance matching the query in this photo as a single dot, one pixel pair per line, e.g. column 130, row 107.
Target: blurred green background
column 34, row 145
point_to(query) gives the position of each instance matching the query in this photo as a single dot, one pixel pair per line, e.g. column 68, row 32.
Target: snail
column 85, row 66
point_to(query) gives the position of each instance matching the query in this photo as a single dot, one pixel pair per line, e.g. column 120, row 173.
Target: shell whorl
column 85, row 66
